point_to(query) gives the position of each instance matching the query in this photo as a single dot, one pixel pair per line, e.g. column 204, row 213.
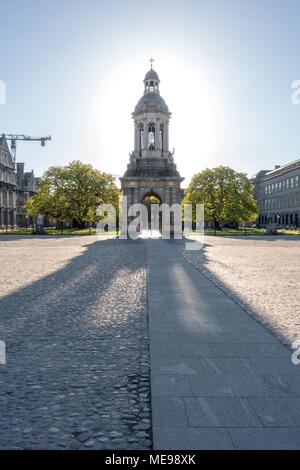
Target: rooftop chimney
column 277, row 166
column 20, row 169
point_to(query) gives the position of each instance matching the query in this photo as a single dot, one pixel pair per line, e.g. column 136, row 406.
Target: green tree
column 226, row 194
column 73, row 193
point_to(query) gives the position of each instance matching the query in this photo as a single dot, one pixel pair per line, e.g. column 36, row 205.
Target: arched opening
column 149, row 200
column 151, row 85
column 151, row 136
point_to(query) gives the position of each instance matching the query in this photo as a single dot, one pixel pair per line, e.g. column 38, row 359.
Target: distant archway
column 149, row 199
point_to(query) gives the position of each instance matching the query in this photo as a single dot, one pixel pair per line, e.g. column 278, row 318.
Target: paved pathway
column 219, row 379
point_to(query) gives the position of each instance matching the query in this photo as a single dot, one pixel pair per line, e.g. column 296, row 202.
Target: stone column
column 131, row 196
column 171, row 196
column 145, row 136
column 14, row 218
column 139, row 191
column 136, row 137
column 166, row 137
column 166, row 194
column 157, row 125
column 4, row 197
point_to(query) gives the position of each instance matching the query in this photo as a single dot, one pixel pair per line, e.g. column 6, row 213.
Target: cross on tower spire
column 151, row 60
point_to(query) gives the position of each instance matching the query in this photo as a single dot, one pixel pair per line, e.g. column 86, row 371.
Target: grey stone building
column 27, row 186
column 16, row 187
column 8, row 186
column 277, row 193
column 151, row 170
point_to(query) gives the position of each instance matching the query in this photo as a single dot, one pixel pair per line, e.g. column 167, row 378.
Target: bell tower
column 151, row 170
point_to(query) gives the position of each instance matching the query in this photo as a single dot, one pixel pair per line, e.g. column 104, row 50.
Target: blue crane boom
column 14, row 137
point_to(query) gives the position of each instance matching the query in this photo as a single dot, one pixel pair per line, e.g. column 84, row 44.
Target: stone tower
column 151, row 170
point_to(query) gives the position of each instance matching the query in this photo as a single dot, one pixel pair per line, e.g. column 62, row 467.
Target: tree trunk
column 217, row 226
column 79, row 224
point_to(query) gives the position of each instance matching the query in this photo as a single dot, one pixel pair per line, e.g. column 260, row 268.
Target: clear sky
column 74, row 69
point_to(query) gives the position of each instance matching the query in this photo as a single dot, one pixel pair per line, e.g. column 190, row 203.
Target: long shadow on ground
column 77, row 373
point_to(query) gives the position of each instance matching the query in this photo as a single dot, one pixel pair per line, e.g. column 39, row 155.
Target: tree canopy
column 226, row 194
column 73, row 193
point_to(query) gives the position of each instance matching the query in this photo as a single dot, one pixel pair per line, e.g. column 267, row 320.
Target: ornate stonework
column 151, row 170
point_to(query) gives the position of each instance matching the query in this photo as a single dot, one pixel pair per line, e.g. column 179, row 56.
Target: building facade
column 151, row 170
column 27, row 186
column 16, row 187
column 277, row 193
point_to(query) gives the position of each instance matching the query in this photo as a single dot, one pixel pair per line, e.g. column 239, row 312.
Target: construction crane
column 14, row 137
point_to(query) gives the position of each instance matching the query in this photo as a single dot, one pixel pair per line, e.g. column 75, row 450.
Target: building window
column 279, row 185
column 292, row 182
column 287, row 184
column 297, row 181
column 272, row 188
column 283, row 184
column 276, row 186
column 151, row 136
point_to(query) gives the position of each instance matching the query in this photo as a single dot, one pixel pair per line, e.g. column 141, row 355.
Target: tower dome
column 151, row 75
column 151, row 100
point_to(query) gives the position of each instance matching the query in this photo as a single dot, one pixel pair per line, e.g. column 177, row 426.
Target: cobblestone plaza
column 90, row 324
column 74, row 319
